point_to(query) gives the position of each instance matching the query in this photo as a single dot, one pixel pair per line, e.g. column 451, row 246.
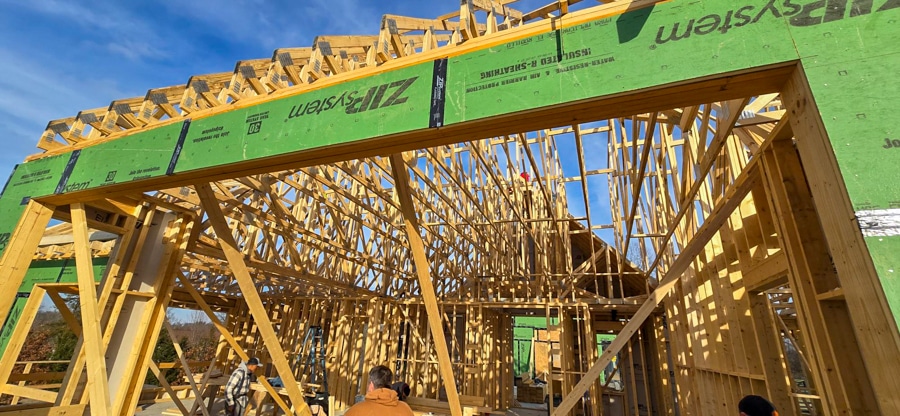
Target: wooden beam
column 843, row 379
column 688, row 115
column 874, row 324
column 29, row 392
column 242, row 275
column 732, row 199
column 66, row 313
column 172, row 394
column 76, row 410
column 638, row 182
column 226, row 334
column 19, row 251
column 607, row 326
column 767, row 274
column 732, row 112
column 19, row 333
column 92, row 337
column 426, row 286
column 769, row 344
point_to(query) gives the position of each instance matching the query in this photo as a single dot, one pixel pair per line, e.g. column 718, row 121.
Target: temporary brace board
column 848, row 48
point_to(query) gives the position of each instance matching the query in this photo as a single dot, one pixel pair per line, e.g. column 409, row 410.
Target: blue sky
column 58, row 57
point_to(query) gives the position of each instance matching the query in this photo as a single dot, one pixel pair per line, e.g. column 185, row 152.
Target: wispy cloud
column 105, row 23
column 32, row 93
column 135, row 50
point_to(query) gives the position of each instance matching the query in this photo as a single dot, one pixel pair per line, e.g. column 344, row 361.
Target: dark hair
column 755, row 406
column 381, row 376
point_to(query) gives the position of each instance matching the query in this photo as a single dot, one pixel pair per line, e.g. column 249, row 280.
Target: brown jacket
column 380, row 402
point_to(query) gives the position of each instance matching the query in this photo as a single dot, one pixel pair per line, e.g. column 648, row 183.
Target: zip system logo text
column 379, row 96
column 800, row 14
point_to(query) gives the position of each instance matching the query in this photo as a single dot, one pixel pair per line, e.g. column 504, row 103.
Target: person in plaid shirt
column 238, row 386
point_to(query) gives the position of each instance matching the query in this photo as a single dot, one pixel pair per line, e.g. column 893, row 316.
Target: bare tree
column 198, row 317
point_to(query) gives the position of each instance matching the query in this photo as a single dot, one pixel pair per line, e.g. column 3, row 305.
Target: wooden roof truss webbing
column 490, row 235
column 342, row 218
column 334, row 228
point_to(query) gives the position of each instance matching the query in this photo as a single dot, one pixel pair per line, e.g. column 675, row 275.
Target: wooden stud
column 18, row 252
column 251, row 296
column 872, row 320
column 426, row 286
column 98, row 387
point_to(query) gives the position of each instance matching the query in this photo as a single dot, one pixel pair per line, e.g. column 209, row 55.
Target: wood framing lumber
column 76, row 410
column 315, row 230
column 738, row 84
column 767, row 274
column 732, row 112
column 154, row 368
column 638, row 182
column 19, row 251
column 65, row 312
column 426, row 286
column 29, row 392
column 92, row 336
column 845, row 384
column 873, row 322
column 229, row 338
column 733, row 197
column 251, row 296
column 404, row 23
column 17, row 340
column 172, row 240
column 184, row 364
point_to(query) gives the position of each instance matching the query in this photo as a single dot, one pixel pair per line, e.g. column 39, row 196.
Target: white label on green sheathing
column 879, row 222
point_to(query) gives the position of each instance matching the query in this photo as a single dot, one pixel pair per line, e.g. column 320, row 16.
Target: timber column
column 139, row 323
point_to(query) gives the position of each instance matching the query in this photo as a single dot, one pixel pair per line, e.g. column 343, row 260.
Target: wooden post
column 17, row 339
column 845, row 385
column 98, row 387
column 72, row 384
column 426, row 286
column 248, row 289
column 778, row 382
column 19, row 251
column 158, row 272
column 871, row 317
column 763, row 342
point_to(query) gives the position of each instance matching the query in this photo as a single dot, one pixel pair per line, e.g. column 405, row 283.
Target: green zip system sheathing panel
column 392, row 102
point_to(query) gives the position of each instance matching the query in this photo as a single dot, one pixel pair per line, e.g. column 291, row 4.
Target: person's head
column 756, row 406
column 252, row 364
column 380, row 377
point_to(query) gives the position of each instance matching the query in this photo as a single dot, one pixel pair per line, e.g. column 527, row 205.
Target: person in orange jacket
column 380, row 399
